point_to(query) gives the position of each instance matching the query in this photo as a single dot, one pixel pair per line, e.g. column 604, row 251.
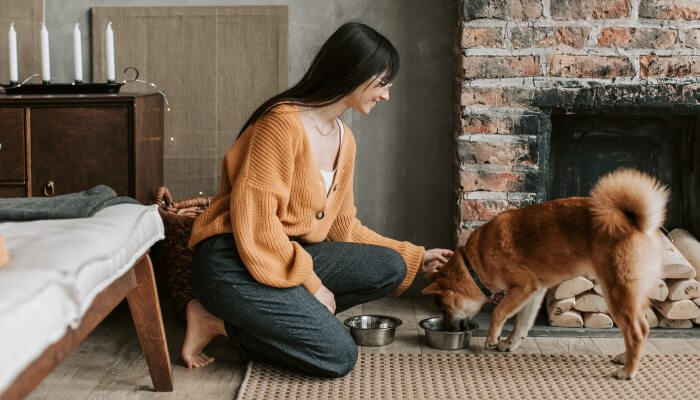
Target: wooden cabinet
column 12, row 144
column 52, row 145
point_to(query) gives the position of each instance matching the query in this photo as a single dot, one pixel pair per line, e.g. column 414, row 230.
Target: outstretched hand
column 434, row 259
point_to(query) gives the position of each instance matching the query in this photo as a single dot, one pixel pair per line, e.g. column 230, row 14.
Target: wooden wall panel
column 216, row 64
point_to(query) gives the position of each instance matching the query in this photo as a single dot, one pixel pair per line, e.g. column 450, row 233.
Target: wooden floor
column 109, row 364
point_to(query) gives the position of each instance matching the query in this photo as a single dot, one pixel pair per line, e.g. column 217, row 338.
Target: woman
column 280, row 250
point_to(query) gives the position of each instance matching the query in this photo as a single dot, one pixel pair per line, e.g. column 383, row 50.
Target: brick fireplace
column 550, row 94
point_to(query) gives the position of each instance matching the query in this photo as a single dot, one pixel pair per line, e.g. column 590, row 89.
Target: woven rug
column 487, row 376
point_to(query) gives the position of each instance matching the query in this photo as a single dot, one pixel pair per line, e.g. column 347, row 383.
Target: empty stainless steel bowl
column 372, row 330
column 441, row 338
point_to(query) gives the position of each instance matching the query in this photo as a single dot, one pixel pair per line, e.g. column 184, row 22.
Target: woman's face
column 369, row 93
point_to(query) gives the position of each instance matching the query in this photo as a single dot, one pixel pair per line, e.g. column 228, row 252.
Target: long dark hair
column 350, row 56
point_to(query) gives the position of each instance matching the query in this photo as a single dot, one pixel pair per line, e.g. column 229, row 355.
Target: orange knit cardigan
column 272, row 198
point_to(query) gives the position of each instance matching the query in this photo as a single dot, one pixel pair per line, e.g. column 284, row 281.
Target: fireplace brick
column 626, row 96
column 593, row 9
column 669, row 66
column 501, row 9
column 518, row 152
column 474, row 67
column 692, row 38
column 482, row 37
column 589, row 66
column 486, row 209
column 496, row 96
column 497, row 181
column 483, row 210
column 465, row 230
column 517, row 123
column 669, row 9
column 662, row 38
column 529, row 36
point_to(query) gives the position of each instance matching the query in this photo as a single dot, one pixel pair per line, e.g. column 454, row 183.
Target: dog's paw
column 620, row 359
column 491, row 343
column 621, row 374
column 508, row 345
column 503, row 345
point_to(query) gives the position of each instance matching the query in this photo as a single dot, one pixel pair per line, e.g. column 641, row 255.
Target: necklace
column 316, row 125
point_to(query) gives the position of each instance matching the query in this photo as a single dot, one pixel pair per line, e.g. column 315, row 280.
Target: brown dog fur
column 612, row 235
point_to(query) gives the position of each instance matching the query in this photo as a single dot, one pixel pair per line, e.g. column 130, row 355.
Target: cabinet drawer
column 76, row 148
column 13, row 191
column 12, row 147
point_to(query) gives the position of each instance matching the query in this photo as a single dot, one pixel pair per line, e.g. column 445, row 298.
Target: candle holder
column 13, row 83
column 63, row 88
column 45, row 82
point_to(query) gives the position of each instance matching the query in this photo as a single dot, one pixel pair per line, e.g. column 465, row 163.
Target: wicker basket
column 178, row 218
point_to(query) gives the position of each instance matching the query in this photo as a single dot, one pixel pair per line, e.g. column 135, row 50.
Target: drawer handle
column 49, row 188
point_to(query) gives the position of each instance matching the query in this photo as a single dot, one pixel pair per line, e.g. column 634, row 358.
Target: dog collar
column 494, row 298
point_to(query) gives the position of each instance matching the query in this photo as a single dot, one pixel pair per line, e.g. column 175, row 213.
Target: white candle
column 109, row 51
column 77, row 54
column 12, row 46
column 45, row 61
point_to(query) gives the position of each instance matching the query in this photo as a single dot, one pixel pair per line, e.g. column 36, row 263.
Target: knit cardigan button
column 320, row 215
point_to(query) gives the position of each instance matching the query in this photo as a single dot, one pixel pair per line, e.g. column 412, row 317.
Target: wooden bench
column 138, row 287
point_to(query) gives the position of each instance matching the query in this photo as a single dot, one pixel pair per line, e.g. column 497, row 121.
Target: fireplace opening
column 585, row 147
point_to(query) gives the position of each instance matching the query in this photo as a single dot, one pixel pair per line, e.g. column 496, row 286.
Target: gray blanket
column 73, row 205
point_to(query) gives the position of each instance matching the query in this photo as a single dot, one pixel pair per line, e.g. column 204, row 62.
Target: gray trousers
column 288, row 326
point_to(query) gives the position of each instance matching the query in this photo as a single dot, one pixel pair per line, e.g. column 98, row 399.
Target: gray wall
column 404, row 174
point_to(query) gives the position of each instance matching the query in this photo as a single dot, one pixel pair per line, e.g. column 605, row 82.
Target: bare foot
column 202, row 327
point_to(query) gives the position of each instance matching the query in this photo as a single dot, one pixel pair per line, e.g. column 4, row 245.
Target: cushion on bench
column 56, row 269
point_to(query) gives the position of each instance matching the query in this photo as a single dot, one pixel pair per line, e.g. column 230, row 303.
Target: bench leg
column 145, row 310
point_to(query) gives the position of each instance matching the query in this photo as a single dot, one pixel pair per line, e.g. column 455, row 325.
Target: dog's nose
column 463, row 324
column 458, row 325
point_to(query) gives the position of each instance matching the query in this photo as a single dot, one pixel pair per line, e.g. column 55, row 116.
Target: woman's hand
column 326, row 297
column 434, row 259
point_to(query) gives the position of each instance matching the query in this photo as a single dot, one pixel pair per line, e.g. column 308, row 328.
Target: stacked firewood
column 675, row 299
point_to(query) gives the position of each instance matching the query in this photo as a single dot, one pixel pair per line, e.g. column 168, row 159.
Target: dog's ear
column 433, row 288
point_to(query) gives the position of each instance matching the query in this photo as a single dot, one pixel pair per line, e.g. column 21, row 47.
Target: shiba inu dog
column 512, row 260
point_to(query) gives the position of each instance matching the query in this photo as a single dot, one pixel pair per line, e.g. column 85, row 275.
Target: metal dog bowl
column 441, row 338
column 372, row 330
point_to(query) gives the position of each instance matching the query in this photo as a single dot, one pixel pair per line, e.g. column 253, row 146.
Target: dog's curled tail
column 627, row 200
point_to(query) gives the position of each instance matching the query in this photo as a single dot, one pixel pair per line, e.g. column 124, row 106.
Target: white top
column 328, row 176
